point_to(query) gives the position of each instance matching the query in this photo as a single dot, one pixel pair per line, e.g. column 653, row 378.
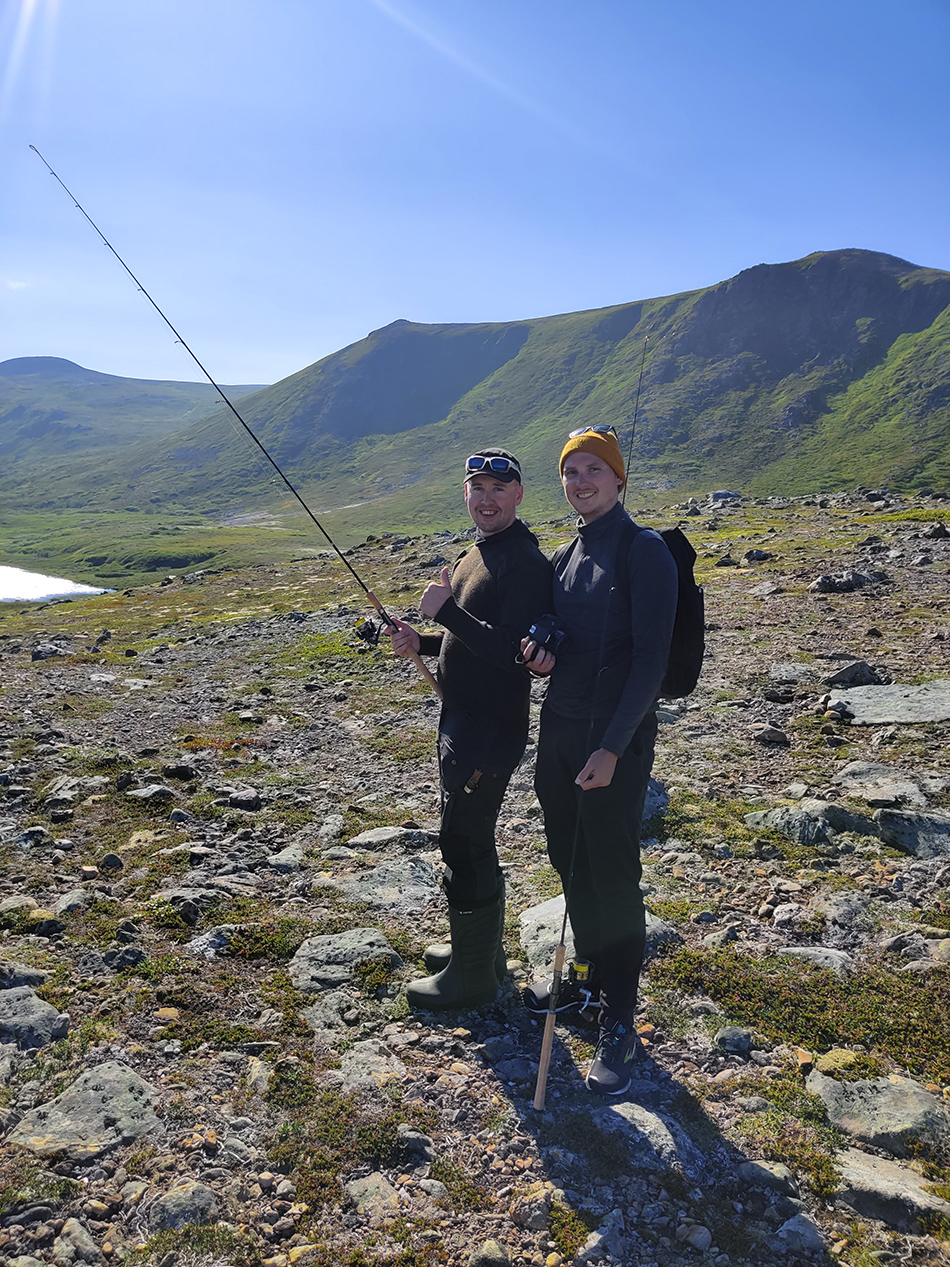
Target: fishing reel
column 368, row 630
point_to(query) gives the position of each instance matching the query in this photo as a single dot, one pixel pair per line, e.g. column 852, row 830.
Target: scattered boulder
column 370, row 1063
column 183, row 1204
column 491, row 1254
column 105, row 1107
column 74, row 1244
column 891, row 1113
column 325, row 962
column 889, row 705
column 857, row 673
column 800, row 1234
column 28, row 1021
column 18, row 974
column 287, row 860
column 837, row 961
column 403, row 886
column 378, row 838
column 878, row 785
column 844, row 582
column 152, row 792
column 373, row 1196
column 656, row 1141
column 922, row 835
column 247, row 798
column 878, row 1188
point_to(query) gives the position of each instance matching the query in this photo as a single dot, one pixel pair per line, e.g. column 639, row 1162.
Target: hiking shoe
column 617, row 1050
column 579, row 992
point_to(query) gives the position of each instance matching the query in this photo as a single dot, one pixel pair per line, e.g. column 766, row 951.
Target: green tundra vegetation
column 810, row 376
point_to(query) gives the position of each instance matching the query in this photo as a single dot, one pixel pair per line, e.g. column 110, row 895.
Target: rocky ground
column 218, row 871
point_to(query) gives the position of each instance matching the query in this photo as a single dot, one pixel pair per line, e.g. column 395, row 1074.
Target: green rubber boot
column 437, row 956
column 469, row 978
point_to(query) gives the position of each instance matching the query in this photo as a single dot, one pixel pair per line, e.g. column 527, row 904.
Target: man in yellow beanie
column 615, row 592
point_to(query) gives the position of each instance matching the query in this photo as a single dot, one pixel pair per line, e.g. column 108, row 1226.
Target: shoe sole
column 596, row 1090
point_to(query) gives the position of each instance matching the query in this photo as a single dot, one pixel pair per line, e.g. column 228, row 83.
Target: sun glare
column 22, row 43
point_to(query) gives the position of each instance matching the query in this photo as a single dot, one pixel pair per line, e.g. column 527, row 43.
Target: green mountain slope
column 827, row 371
column 50, row 407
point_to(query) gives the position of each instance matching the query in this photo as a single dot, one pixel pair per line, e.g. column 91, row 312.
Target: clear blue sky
column 286, row 176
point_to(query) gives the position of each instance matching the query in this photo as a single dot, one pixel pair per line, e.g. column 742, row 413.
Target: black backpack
column 688, row 642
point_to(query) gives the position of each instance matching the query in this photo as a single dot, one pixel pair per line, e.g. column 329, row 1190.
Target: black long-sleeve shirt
column 499, row 589
column 612, row 663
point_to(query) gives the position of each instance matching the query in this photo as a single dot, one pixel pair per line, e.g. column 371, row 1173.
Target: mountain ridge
column 772, row 380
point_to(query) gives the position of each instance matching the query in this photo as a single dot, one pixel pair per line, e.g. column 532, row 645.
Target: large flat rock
column 878, row 1188
column 105, row 1107
column 888, row 705
column 656, row 1141
column 541, row 930
column 29, row 1021
column 326, row 962
column 922, row 835
column 893, row 1113
column 403, row 886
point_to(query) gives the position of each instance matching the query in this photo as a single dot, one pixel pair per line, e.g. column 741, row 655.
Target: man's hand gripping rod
column 413, row 655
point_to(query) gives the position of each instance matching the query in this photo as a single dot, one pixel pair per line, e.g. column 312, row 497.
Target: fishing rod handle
column 547, row 1042
column 414, row 656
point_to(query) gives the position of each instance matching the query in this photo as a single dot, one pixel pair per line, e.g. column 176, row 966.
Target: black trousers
column 470, row 807
column 604, row 902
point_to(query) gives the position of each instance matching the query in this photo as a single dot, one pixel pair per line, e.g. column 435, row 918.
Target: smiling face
column 492, row 503
column 590, row 485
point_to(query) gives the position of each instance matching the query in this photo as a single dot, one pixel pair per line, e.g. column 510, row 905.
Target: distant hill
column 827, row 371
column 50, row 407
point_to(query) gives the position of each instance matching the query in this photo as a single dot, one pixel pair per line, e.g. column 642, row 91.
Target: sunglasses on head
column 500, row 466
column 601, row 429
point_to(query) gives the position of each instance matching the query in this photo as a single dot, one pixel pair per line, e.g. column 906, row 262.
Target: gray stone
column 373, row 1196
column 878, row 1188
column 770, row 735
column 768, row 1174
column 405, row 885
column 789, row 821
column 377, row 838
column 17, row 974
column 608, row 1241
column 888, row 705
column 370, row 1063
column 735, row 1040
column 415, row 1143
column 216, row 941
column 722, row 936
column 838, row 961
column 491, row 1254
column 185, row 1203
column 857, row 673
column 843, row 911
column 289, row 859
column 105, row 1107
column 331, row 830
column 28, row 1021
column 532, row 1209
column 843, row 582
column 153, row 792
column 922, row 835
column 878, row 785
column 74, row 900
column 891, row 1113
column 74, row 1243
column 324, row 962
column 541, row 929
column 792, row 673
column 247, row 798
column 801, row 1234
column 656, row 1141
column 46, row 651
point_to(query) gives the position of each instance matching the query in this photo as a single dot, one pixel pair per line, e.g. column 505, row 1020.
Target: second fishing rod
column 371, row 597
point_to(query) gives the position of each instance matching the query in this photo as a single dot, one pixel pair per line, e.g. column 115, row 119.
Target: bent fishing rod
column 373, row 600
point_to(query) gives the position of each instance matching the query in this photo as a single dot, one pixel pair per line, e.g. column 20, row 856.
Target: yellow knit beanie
column 604, row 443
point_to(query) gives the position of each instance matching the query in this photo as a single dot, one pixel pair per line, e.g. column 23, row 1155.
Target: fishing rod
column 373, row 600
column 633, row 427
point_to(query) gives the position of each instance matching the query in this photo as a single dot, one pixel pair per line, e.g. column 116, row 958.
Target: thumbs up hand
column 435, row 594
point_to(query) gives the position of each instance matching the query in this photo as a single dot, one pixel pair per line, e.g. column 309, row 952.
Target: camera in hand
column 546, row 635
